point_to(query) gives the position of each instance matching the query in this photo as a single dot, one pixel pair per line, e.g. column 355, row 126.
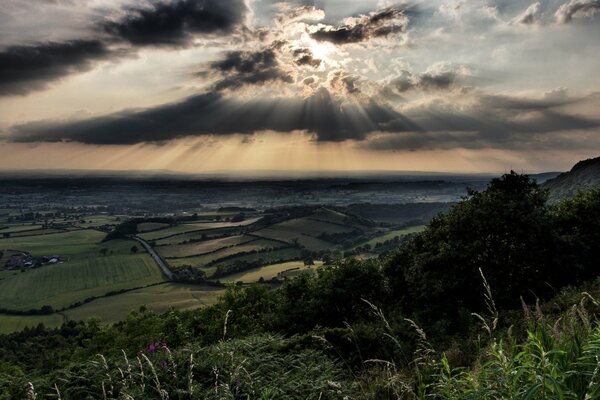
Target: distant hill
column 584, row 175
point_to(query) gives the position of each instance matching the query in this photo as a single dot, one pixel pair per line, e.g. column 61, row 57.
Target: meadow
column 107, row 279
column 84, row 272
column 268, row 272
column 157, row 298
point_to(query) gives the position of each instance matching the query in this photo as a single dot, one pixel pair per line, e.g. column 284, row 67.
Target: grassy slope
column 85, row 273
column 159, row 298
column 14, row 323
column 200, row 260
column 391, row 234
column 270, row 271
column 190, row 249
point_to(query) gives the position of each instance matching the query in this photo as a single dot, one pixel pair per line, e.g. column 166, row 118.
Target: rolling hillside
column 584, row 175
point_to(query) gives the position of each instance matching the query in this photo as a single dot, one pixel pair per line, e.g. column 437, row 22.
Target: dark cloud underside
column 175, row 22
column 27, row 68
column 378, row 24
column 240, row 68
column 327, row 117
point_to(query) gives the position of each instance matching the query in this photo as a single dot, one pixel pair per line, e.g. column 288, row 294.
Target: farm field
column 195, row 226
column 393, row 233
column 13, row 323
column 269, row 257
column 198, row 235
column 190, row 249
column 271, row 271
column 158, row 298
column 254, row 245
column 285, row 233
column 84, row 272
column 18, row 228
column 151, row 226
column 64, row 284
column 43, row 231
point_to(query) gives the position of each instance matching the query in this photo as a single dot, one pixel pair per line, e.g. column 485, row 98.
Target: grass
column 196, row 248
column 267, row 272
column 198, row 235
column 37, row 232
column 151, row 226
column 64, row 284
column 74, row 243
column 191, row 227
column 159, row 298
column 15, row 323
column 392, row 234
column 18, row 228
column 287, row 234
column 91, row 221
column 256, row 245
column 270, row 257
column 84, row 272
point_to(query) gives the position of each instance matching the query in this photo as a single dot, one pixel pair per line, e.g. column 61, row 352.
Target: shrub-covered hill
column 479, row 305
column 583, row 176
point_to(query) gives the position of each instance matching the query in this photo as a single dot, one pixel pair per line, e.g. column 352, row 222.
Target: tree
column 134, row 249
column 578, row 223
column 505, row 230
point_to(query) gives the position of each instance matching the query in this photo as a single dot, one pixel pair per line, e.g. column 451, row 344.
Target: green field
column 271, row 271
column 255, row 245
column 269, row 257
column 196, row 248
column 64, row 284
column 18, row 228
column 43, row 231
column 159, row 298
column 277, row 232
column 392, row 234
column 151, row 226
column 191, row 227
column 91, row 221
column 84, row 272
column 74, row 243
column 198, row 235
column 14, row 323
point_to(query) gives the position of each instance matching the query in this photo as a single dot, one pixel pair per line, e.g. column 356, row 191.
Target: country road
column 156, row 257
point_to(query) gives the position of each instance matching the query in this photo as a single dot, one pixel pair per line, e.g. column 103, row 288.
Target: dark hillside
column 584, row 175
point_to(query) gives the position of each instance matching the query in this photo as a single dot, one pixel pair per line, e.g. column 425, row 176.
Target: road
column 156, row 257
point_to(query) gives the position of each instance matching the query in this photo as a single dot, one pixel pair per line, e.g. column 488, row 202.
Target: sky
column 315, row 85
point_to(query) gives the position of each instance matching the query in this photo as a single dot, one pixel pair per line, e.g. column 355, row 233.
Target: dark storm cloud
column 173, row 23
column 567, row 11
column 329, row 118
column 305, row 57
column 27, row 68
column 379, row 24
column 493, row 122
column 247, row 61
column 240, row 68
column 428, row 81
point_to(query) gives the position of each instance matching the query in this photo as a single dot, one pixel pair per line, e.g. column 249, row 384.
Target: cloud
column 567, row 11
column 438, row 77
column 32, row 67
column 489, row 121
column 305, row 57
column 329, row 118
column 529, row 16
column 377, row 24
column 240, row 68
column 174, row 23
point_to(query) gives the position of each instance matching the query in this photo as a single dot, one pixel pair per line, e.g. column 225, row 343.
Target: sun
column 320, row 50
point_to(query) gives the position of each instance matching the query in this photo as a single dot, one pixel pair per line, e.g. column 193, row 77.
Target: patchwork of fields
column 109, row 279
